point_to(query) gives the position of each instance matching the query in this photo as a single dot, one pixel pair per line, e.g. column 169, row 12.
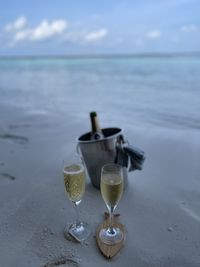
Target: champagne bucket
column 96, row 153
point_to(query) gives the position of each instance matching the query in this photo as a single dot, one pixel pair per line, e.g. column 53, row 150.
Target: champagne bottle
column 96, row 132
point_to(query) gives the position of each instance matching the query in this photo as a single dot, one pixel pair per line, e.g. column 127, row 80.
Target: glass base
column 79, row 231
column 111, row 238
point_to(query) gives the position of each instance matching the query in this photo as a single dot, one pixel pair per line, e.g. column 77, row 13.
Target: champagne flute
column 111, row 190
column 74, row 180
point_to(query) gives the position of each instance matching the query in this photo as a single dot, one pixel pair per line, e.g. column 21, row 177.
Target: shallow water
column 158, row 92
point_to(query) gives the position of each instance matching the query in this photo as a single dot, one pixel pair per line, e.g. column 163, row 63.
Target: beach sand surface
column 159, row 209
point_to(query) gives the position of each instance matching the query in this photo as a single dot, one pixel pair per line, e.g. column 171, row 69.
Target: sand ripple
column 16, row 138
column 191, row 205
column 192, row 213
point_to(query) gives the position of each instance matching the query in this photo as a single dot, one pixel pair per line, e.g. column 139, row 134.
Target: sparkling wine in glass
column 74, row 180
column 111, row 190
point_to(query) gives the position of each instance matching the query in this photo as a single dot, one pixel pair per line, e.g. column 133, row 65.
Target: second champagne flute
column 111, row 190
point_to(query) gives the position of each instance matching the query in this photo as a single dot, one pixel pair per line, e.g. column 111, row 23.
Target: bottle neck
column 96, row 132
column 95, row 125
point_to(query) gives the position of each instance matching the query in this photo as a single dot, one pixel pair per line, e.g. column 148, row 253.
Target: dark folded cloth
column 135, row 155
column 130, row 156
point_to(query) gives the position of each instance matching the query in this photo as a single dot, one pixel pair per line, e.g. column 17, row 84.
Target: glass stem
column 77, row 213
column 111, row 228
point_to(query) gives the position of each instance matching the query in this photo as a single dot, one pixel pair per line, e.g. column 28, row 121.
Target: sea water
column 142, row 91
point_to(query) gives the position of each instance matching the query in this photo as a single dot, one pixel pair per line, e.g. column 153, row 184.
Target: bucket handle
column 121, row 157
column 121, row 140
column 78, row 151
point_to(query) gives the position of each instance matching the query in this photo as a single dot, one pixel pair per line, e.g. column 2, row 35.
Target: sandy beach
column 159, row 209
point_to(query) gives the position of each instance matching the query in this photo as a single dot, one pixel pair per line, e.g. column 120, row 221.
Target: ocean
column 141, row 91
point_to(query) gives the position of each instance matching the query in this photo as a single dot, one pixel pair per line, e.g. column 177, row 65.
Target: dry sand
column 160, row 208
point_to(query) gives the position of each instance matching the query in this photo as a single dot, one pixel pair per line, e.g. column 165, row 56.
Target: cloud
column 43, row 31
column 154, row 34
column 22, row 35
column 46, row 30
column 96, row 35
column 189, row 28
column 20, row 31
column 18, row 24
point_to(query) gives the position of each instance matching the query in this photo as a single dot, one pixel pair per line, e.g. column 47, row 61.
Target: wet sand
column 160, row 208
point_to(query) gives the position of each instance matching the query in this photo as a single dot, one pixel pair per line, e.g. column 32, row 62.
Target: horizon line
column 101, row 55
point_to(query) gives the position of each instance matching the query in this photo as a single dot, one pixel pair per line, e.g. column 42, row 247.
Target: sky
column 49, row 27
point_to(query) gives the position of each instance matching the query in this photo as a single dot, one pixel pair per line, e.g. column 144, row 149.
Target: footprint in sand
column 15, row 138
column 8, row 176
column 64, row 261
